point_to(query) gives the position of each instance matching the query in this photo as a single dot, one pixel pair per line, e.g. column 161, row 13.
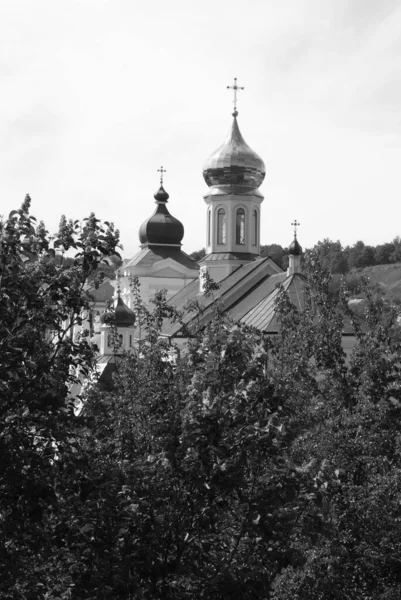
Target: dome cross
column 161, row 171
column 235, row 88
column 295, row 224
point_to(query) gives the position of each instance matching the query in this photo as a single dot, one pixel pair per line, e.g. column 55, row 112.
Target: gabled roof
column 236, row 292
column 262, row 315
column 148, row 256
column 246, row 256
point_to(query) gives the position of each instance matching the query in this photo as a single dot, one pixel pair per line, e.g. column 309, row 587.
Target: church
column 248, row 284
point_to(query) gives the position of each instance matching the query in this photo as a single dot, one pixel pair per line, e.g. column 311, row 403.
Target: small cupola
column 161, row 229
column 121, row 316
column 294, row 253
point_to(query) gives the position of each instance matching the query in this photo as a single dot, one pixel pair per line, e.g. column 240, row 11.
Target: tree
column 253, row 467
column 238, row 465
column 331, row 254
column 41, row 299
column 277, row 253
column 198, row 254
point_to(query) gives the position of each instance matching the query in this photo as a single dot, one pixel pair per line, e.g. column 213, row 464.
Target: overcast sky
column 95, row 95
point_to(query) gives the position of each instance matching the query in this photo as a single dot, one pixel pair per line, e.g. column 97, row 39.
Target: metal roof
column 263, row 315
column 150, row 255
column 237, row 287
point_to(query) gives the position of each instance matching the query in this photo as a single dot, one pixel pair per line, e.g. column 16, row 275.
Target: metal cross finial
column 235, row 87
column 161, row 171
column 295, row 224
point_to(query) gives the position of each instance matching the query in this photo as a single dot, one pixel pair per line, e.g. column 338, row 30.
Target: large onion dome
column 295, row 248
column 122, row 316
column 234, row 164
column 161, row 228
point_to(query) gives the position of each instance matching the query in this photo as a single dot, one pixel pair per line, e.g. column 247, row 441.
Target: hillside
column 386, row 277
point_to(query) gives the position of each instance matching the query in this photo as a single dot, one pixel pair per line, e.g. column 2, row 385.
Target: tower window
column 255, row 228
column 209, row 216
column 240, row 227
column 221, row 226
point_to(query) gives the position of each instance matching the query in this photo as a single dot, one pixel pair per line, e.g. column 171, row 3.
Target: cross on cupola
column 235, row 88
column 161, row 171
column 295, row 225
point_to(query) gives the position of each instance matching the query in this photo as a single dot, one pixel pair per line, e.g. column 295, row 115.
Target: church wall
column 230, row 203
column 151, row 285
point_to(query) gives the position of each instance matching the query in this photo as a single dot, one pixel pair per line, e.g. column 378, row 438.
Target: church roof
column 229, row 256
column 263, row 315
column 239, row 286
column 150, row 255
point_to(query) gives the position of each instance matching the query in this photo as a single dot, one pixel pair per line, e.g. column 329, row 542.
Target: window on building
column 255, row 228
column 221, row 226
column 209, row 218
column 240, row 227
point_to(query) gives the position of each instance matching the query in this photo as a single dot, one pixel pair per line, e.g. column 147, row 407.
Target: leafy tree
column 277, row 253
column 41, row 300
column 236, row 465
column 252, row 467
column 331, row 254
column 198, row 254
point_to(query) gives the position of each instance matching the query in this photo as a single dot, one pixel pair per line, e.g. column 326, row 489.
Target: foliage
column 232, row 465
column 251, row 467
column 41, row 299
column 277, row 253
column 198, row 254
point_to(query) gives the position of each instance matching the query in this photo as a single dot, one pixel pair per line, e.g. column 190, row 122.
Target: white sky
column 95, row 95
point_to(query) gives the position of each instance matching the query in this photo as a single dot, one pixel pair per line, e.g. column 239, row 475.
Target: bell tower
column 233, row 173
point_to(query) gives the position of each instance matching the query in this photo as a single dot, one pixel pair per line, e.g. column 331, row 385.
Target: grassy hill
column 386, row 278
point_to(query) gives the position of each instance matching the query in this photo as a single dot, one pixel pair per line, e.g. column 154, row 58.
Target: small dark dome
column 161, row 228
column 295, row 248
column 122, row 316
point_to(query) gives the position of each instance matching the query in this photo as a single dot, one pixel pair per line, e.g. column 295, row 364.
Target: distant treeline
column 341, row 259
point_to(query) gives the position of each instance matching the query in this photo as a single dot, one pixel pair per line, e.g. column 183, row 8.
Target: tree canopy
column 238, row 466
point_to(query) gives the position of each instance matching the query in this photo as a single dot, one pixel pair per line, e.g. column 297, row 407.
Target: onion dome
column 161, row 228
column 295, row 248
column 122, row 316
column 234, row 164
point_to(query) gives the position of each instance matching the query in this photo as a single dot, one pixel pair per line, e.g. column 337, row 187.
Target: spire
column 295, row 253
column 295, row 248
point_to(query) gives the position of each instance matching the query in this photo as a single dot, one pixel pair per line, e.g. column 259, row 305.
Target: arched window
column 240, row 227
column 255, row 228
column 221, row 226
column 209, row 217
